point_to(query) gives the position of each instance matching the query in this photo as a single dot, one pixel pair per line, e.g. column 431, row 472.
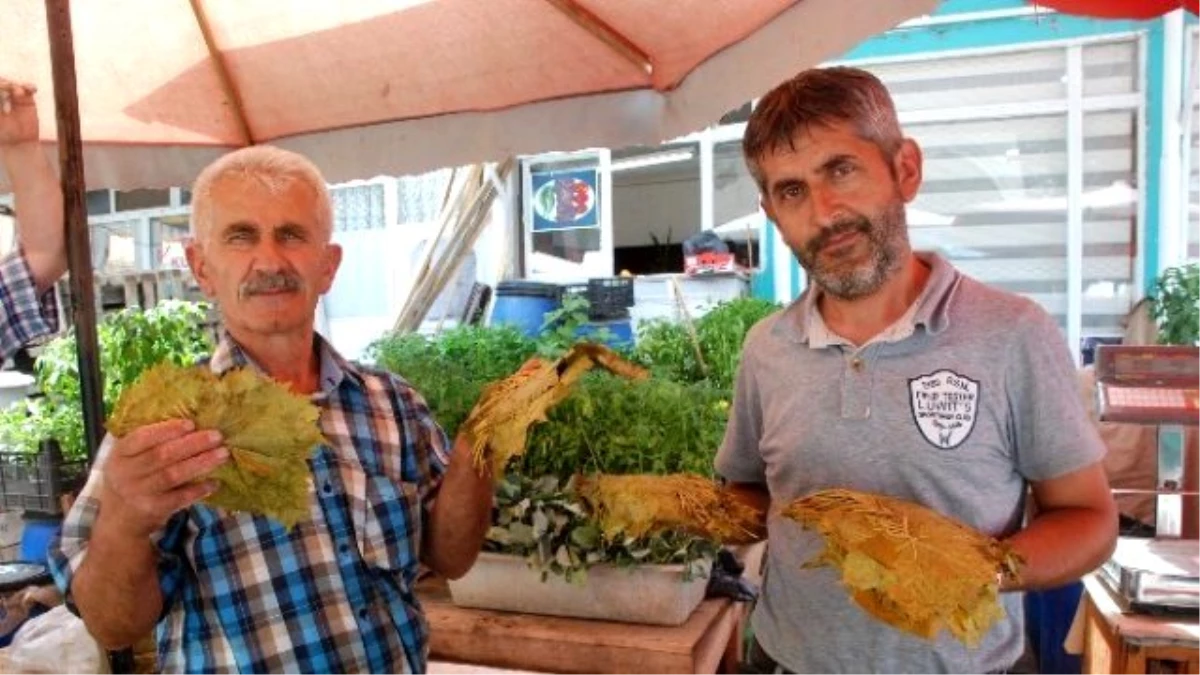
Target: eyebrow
column 238, row 227
column 247, row 226
column 834, row 161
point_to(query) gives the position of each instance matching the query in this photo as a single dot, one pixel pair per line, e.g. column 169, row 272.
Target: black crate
column 610, row 297
column 577, row 290
column 36, row 483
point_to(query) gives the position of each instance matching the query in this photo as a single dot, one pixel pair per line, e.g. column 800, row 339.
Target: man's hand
column 39, row 203
column 157, row 470
column 18, row 113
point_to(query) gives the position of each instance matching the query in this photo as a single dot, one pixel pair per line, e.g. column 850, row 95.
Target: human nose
column 269, row 256
column 827, row 206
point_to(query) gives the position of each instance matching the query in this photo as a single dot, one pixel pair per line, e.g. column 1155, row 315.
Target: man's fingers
column 190, row 469
column 151, row 436
column 183, row 497
column 15, row 94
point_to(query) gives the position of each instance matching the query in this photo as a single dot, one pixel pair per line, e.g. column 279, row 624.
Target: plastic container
column 524, row 304
column 36, row 538
column 650, row 594
column 620, row 332
column 36, row 484
column 610, row 297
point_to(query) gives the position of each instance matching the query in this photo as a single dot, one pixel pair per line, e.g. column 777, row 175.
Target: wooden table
column 708, row 642
column 1118, row 642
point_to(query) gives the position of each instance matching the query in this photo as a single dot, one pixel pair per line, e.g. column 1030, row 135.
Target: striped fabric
column 26, row 316
column 335, row 594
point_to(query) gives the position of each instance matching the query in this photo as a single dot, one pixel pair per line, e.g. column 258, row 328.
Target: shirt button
column 327, row 488
column 362, row 613
column 856, row 364
column 344, row 549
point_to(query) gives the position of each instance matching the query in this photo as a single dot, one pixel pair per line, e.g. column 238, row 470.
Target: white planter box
column 653, row 594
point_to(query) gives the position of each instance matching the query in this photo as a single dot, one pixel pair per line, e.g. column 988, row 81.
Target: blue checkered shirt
column 335, row 594
column 26, row 316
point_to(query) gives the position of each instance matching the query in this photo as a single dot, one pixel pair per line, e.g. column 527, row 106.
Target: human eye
column 791, row 191
column 842, row 169
column 239, row 236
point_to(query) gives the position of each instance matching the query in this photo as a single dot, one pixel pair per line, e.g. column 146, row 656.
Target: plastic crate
column 610, row 297
column 37, row 483
column 574, row 290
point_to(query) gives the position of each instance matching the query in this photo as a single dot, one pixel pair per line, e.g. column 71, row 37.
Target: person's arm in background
column 41, row 257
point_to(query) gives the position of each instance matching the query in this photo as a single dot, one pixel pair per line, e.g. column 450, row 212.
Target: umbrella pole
column 79, row 247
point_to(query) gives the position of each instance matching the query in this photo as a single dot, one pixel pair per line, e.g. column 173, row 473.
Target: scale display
column 1148, row 385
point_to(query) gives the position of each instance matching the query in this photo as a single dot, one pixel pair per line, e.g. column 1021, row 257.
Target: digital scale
column 1157, row 386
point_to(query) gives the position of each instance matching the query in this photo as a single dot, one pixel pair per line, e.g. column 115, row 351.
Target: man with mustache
column 895, row 374
column 235, row 591
column 27, row 306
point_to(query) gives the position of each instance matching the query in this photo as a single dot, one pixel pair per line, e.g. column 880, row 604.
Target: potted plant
column 544, row 553
column 1175, row 305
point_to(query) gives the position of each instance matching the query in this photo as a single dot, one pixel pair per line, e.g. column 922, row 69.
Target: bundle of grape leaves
column 907, row 564
column 634, row 505
column 498, row 425
column 269, row 431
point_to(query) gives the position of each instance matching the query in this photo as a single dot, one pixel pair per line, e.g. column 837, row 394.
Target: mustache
column 843, row 226
column 270, row 282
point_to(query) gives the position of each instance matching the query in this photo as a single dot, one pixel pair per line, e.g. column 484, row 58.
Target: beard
column 839, row 274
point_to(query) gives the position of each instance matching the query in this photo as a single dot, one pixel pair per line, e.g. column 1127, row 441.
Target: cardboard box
column 709, row 263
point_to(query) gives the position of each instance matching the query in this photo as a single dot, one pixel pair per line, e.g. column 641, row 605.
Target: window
column 169, row 235
column 994, row 203
column 99, row 202
column 133, row 200
column 358, row 207
column 420, row 197
column 997, row 199
column 114, row 247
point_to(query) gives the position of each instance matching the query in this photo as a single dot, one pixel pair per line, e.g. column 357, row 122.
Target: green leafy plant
column 451, row 369
column 667, row 348
column 670, row 423
column 612, row 425
column 563, row 326
column 130, row 342
column 1175, row 305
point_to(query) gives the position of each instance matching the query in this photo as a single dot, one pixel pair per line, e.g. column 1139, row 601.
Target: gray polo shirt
column 969, row 396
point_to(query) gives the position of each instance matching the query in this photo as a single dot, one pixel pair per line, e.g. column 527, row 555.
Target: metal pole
column 79, row 248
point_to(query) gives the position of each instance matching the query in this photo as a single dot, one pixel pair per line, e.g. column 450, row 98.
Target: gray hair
column 274, row 168
column 817, row 97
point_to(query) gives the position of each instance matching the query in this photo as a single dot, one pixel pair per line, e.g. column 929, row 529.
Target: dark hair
column 821, row 96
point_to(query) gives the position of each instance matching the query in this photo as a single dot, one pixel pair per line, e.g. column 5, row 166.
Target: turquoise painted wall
column 1028, row 31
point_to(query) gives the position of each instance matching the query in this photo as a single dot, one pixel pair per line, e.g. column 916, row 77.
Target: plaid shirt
column 241, row 593
column 26, row 316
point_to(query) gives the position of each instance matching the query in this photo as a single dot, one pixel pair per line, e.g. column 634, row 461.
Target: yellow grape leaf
column 269, row 431
column 908, row 565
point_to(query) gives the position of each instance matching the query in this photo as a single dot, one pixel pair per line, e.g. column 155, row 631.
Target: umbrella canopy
column 401, row 86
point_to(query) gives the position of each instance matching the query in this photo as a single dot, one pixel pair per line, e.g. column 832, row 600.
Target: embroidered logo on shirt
column 944, row 406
